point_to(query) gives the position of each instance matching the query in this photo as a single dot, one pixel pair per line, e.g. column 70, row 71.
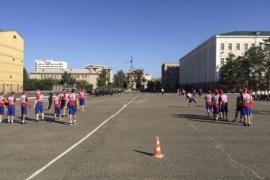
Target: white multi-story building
column 49, row 64
column 200, row 67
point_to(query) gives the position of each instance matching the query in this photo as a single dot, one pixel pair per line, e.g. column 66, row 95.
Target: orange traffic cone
column 157, row 152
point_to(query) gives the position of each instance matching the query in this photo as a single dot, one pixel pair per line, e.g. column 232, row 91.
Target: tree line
column 251, row 70
column 121, row 80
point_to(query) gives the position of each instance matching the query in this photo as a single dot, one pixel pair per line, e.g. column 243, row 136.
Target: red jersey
column 39, row 98
column 57, row 102
column 208, row 99
column 82, row 95
column 2, row 101
column 62, row 96
column 11, row 101
column 189, row 96
column 24, row 100
column 224, row 100
column 246, row 100
column 239, row 101
column 72, row 99
column 66, row 96
column 216, row 101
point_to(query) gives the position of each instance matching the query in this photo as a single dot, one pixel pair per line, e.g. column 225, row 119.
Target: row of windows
column 56, row 76
column 237, row 46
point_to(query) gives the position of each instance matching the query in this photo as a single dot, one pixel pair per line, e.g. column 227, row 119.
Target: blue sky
column 108, row 32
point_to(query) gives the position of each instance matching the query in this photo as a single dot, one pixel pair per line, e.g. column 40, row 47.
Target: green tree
column 25, row 79
column 151, row 84
column 67, row 79
column 138, row 77
column 83, row 84
column 231, row 74
column 102, row 79
column 266, row 48
column 119, row 79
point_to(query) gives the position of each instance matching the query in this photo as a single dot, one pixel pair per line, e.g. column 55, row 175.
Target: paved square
column 195, row 147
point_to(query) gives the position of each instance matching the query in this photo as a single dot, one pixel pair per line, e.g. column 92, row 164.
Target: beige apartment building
column 170, row 75
column 11, row 61
column 200, row 67
column 90, row 73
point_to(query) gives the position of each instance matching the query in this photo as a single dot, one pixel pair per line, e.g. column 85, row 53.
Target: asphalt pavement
column 115, row 139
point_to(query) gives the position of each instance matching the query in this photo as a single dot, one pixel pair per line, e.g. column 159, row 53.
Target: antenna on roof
column 131, row 63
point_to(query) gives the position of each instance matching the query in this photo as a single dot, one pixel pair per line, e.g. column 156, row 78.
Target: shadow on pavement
column 260, row 112
column 145, row 153
column 203, row 118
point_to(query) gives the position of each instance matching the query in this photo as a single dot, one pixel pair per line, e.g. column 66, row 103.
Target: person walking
column 50, row 98
column 162, row 91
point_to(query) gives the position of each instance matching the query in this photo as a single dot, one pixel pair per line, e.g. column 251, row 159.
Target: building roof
column 171, row 63
column 246, row 33
column 12, row 31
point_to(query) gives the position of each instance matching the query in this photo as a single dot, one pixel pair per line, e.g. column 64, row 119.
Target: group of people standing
column 261, row 95
column 67, row 102
column 218, row 105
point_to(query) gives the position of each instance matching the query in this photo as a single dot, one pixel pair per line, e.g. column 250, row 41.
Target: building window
column 14, row 37
column 238, row 46
column 253, row 44
column 222, row 46
column 246, row 47
column 230, row 46
column 222, row 60
column 168, row 80
column 41, row 76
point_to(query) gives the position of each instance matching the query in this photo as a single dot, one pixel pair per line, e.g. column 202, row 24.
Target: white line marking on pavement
column 79, row 142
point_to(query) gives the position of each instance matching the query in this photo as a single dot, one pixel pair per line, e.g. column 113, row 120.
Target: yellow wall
column 11, row 61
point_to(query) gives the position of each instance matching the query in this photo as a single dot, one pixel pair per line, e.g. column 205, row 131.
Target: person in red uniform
column 208, row 103
column 238, row 108
column 71, row 104
column 82, row 96
column 251, row 103
column 224, row 105
column 39, row 105
column 191, row 98
column 3, row 101
column 246, row 107
column 216, row 103
column 24, row 106
column 11, row 108
column 57, row 106
column 65, row 110
column 63, row 102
